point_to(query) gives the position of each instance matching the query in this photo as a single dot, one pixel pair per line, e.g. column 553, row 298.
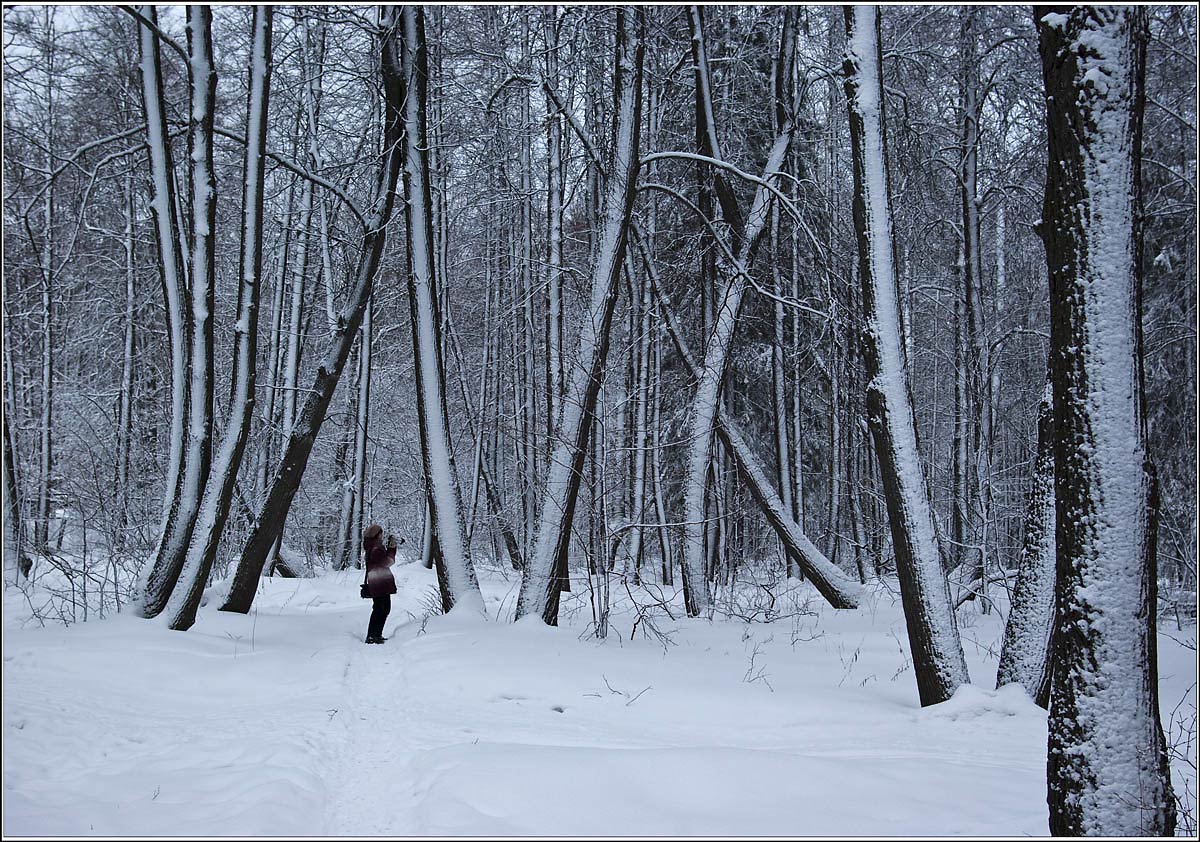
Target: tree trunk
column 1025, row 656
column 1107, row 766
column 554, row 229
column 706, row 402
column 41, row 526
column 13, row 533
column 125, row 406
column 218, row 493
column 937, row 653
column 188, row 458
column 548, row 562
column 456, row 571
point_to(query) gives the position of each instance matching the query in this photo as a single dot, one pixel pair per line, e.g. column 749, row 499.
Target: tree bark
column 1107, row 764
column 456, row 573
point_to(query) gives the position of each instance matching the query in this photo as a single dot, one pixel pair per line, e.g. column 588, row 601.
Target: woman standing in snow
column 379, row 581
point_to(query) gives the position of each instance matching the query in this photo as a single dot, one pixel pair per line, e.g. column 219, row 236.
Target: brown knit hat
column 372, row 531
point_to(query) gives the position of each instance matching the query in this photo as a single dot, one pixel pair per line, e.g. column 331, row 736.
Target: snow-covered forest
column 782, row 420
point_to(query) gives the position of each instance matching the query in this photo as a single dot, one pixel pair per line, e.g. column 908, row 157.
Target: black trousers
column 379, row 613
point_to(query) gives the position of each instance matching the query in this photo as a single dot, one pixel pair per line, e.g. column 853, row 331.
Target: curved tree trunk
column 218, row 493
column 830, row 581
column 187, row 459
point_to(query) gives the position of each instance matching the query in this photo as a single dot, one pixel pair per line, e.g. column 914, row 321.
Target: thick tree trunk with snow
column 928, row 611
column 1107, row 768
column 1025, row 655
column 548, row 561
column 459, row 585
column 218, row 493
column 273, row 512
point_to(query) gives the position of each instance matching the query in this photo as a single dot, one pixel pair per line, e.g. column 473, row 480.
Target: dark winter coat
column 380, row 580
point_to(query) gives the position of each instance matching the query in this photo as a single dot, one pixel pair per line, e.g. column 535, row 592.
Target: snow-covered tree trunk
column 13, row 533
column 457, row 574
column 156, row 579
column 125, row 403
column 554, row 228
column 539, row 590
column 928, row 611
column 41, row 526
column 273, row 511
column 1025, row 654
column 202, row 274
column 1107, row 771
column 218, row 493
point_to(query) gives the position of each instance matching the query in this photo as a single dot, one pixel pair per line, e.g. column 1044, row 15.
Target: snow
column 282, row 722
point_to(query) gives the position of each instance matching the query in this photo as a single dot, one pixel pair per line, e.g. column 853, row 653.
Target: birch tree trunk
column 41, row 526
column 539, row 592
column 1107, row 769
column 554, row 229
column 456, row 573
column 273, row 512
column 937, row 653
column 125, row 406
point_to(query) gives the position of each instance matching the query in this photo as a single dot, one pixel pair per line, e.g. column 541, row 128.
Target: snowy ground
column 283, row 722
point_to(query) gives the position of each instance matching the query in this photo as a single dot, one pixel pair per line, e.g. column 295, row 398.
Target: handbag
column 364, row 591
